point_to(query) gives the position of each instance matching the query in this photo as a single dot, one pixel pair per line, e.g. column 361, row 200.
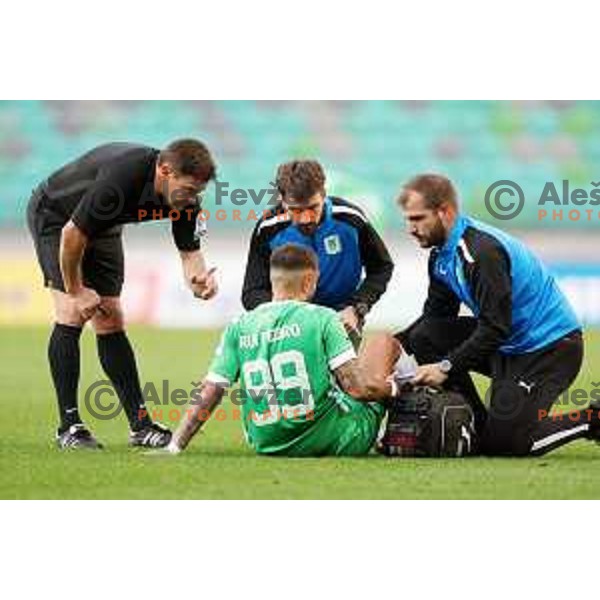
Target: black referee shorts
column 103, row 262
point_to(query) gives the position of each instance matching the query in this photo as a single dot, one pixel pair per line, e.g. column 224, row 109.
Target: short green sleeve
column 338, row 347
column 225, row 366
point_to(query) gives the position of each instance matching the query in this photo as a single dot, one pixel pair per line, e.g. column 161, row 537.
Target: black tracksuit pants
column 523, row 387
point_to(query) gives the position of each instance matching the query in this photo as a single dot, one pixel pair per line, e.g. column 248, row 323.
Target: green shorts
column 350, row 428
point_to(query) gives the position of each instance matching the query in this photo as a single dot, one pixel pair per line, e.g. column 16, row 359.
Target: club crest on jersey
column 333, row 244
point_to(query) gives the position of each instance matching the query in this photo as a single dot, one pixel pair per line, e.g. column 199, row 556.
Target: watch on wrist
column 361, row 309
column 445, row 366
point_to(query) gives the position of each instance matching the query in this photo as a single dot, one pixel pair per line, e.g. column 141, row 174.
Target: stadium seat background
column 369, row 148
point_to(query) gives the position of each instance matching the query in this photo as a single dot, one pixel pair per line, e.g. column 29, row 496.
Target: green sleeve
column 338, row 347
column 225, row 366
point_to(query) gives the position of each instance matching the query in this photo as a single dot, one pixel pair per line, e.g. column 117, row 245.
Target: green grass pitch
column 218, row 464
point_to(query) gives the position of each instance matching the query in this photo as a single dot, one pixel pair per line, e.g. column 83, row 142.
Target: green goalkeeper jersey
column 284, row 353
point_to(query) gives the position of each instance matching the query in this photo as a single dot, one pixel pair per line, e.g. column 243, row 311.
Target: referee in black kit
column 75, row 218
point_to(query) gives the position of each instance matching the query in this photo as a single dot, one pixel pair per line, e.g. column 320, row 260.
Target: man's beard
column 181, row 204
column 308, row 229
column 436, row 237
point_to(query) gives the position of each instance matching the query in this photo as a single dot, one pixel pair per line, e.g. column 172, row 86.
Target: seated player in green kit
column 304, row 391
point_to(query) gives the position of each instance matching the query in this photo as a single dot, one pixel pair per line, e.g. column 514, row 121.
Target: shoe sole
column 80, row 447
column 147, row 446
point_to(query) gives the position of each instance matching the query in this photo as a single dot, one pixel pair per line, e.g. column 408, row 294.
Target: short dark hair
column 300, row 179
column 189, row 157
column 293, row 257
column 435, row 189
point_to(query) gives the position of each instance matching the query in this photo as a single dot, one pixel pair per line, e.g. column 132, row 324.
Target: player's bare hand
column 205, row 286
column 87, row 302
column 349, row 318
column 429, row 375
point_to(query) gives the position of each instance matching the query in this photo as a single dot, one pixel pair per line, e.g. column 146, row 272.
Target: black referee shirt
column 110, row 186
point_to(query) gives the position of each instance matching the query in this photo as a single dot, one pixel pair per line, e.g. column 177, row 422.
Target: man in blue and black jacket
column 354, row 264
column 523, row 332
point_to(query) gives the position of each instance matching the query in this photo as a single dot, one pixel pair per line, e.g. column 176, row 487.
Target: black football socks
column 118, row 361
column 63, row 357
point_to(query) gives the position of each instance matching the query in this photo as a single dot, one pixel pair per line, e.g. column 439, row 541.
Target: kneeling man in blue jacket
column 523, row 334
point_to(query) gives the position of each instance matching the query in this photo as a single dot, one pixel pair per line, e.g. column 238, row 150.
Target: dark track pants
column 523, row 388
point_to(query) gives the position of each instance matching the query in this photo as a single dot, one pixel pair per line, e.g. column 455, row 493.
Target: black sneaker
column 594, row 430
column 77, row 436
column 152, row 436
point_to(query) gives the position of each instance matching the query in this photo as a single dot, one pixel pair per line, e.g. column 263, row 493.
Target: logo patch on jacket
column 333, row 244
